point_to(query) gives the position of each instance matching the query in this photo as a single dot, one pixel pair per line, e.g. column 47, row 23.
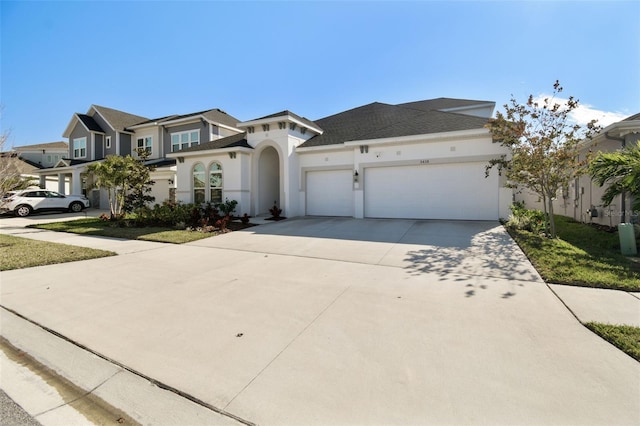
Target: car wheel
column 76, row 207
column 23, row 211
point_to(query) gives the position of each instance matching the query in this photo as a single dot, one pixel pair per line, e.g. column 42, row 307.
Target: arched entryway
column 268, row 180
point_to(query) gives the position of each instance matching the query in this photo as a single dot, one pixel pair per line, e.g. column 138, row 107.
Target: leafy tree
column 544, row 144
column 139, row 184
column 126, row 180
column 621, row 171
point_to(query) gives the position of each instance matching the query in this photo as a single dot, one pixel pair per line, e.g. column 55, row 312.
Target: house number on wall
column 424, row 161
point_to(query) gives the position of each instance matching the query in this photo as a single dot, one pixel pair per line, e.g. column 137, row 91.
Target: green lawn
column 95, row 226
column 581, row 255
column 624, row 337
column 18, row 253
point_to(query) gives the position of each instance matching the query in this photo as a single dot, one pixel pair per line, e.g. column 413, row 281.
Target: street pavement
column 335, row 321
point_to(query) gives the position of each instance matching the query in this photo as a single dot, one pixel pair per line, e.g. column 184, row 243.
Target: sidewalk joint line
column 288, row 344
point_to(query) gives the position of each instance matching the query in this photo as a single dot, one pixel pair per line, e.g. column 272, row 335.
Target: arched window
column 198, row 184
column 215, row 183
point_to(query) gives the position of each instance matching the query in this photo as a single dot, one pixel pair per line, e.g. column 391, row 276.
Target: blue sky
column 251, row 59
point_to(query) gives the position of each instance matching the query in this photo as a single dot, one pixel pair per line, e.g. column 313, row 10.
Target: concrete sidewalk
column 331, row 321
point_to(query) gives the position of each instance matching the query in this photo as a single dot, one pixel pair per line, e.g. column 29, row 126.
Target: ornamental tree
column 544, row 144
column 126, row 180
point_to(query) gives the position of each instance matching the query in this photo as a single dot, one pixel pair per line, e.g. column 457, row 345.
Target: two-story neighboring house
column 105, row 131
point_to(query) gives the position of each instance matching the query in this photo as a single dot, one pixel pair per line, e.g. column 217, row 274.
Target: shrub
column 525, row 219
column 275, row 210
column 228, row 207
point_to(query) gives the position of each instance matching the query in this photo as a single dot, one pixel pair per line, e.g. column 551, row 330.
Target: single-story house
column 582, row 200
column 423, row 159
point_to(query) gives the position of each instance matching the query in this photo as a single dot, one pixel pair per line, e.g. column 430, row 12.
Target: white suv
column 23, row 203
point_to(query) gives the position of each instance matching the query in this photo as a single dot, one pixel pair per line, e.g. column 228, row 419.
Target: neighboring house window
column 145, row 143
column 198, row 184
column 108, row 142
column 80, row 147
column 184, row 140
column 215, row 183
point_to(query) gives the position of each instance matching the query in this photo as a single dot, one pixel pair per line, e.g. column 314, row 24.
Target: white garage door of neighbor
column 330, row 193
column 433, row 191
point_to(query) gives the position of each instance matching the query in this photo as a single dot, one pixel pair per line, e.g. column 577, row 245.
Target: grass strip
column 18, row 253
column 97, row 227
column 581, row 255
column 624, row 337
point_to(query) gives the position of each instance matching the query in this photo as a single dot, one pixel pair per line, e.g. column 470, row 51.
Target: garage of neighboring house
column 431, row 191
column 330, row 193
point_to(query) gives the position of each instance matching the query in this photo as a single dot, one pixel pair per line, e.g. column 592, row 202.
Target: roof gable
column 118, row 120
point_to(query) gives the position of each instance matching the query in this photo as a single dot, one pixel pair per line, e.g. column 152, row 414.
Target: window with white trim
column 80, row 147
column 198, row 184
column 183, row 140
column 215, row 183
column 145, row 143
column 107, row 142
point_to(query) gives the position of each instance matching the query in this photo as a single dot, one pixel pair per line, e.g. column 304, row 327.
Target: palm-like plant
column 621, row 171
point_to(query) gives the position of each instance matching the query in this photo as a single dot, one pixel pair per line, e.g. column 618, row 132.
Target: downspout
column 623, row 195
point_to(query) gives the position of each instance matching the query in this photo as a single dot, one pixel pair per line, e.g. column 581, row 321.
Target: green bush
column 524, row 219
column 180, row 215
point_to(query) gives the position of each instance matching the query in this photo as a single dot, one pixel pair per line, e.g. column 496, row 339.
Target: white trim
column 275, row 119
column 456, row 135
column 468, row 107
column 135, row 147
column 73, row 149
column 240, row 150
column 189, row 132
column 184, row 120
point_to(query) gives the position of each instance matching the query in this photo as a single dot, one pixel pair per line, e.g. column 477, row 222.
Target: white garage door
column 330, row 193
column 433, row 191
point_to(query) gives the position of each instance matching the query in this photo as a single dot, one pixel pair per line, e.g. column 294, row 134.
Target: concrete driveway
column 342, row 321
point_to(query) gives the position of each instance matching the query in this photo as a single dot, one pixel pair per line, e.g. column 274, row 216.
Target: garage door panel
column 330, row 193
column 435, row 191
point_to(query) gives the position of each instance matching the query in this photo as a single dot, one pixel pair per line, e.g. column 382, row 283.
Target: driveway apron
column 342, row 321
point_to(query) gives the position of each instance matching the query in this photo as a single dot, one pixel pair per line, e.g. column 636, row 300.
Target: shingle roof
column 378, row 120
column 89, row 123
column 119, row 120
column 40, row 146
column 633, row 117
column 233, row 141
column 219, row 116
column 216, row 115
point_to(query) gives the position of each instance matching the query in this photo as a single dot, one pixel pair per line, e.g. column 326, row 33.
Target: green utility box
column 627, row 239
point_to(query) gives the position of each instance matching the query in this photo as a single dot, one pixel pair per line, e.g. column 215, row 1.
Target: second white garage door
column 330, row 193
column 434, row 191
